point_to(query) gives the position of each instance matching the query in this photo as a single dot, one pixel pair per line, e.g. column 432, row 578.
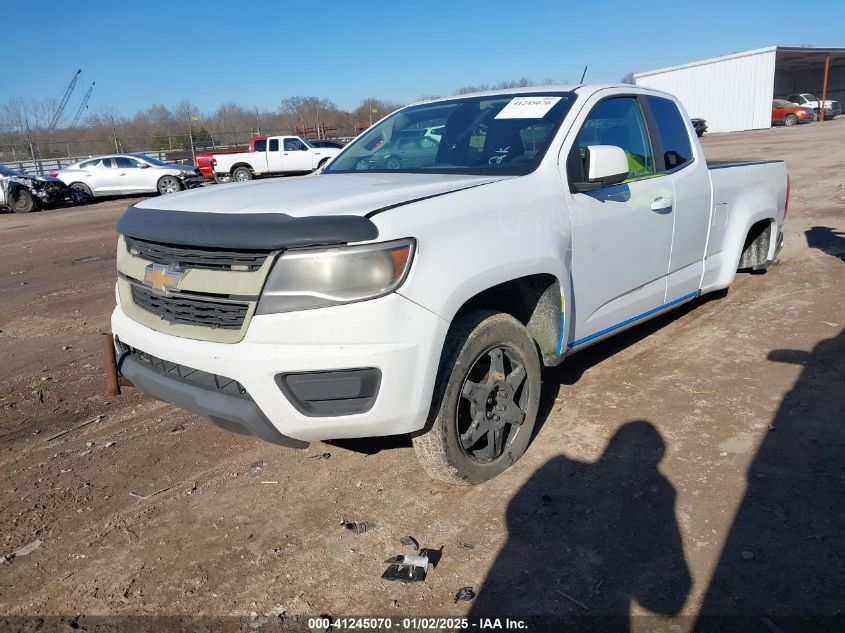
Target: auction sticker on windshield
column 527, row 107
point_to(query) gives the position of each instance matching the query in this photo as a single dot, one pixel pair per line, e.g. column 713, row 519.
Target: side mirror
column 605, row 165
column 143, row 166
column 303, row 148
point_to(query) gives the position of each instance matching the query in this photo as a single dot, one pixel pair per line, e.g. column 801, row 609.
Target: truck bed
column 724, row 164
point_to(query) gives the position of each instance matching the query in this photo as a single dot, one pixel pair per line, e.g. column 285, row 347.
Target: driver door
column 621, row 234
column 296, row 156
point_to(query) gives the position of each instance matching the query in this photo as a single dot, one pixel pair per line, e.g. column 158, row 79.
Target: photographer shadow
column 587, row 539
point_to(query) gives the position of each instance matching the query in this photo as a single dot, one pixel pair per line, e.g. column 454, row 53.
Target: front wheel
column 485, row 400
column 22, row 201
column 169, row 184
column 393, row 162
column 222, row 180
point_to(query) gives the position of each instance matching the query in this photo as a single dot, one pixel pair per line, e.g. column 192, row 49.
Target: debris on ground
column 109, row 444
column 466, row 545
column 152, row 494
column 26, row 550
column 747, row 555
column 574, row 601
column 257, row 467
column 412, row 568
column 55, row 436
column 405, row 568
column 546, row 499
column 410, row 541
column 321, row 456
column 357, row 527
column 465, row 594
column 178, row 428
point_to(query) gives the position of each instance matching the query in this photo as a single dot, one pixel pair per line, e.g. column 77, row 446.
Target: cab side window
column 274, row 145
column 615, row 121
column 292, row 145
column 674, row 137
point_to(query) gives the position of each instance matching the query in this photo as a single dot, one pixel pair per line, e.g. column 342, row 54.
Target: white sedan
column 128, row 174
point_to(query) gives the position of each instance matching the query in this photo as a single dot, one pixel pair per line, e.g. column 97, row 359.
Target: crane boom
column 82, row 105
column 57, row 115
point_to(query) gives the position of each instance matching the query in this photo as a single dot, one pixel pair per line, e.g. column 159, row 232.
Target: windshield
column 150, row 160
column 809, row 97
column 8, row 171
column 495, row 134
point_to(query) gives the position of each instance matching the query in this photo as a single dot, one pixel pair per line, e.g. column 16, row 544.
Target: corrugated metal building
column 735, row 92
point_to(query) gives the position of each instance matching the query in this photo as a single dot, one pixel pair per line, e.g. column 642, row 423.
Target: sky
column 258, row 53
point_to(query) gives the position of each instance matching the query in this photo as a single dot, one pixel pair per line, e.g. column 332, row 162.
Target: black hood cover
column 258, row 231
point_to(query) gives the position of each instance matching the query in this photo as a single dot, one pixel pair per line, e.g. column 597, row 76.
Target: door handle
column 121, row 174
column 662, row 204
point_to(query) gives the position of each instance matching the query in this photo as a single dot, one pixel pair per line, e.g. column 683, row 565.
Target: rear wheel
column 322, row 163
column 485, row 400
column 222, row 180
column 242, row 174
column 81, row 193
column 393, row 162
column 169, row 184
column 22, row 201
column 790, row 120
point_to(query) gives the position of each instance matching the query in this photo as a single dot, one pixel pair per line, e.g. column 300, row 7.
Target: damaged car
column 23, row 193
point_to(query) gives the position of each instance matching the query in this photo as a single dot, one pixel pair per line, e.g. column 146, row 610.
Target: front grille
column 184, row 373
column 186, row 309
column 197, row 257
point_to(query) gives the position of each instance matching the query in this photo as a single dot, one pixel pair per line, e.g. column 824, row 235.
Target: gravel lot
column 693, row 465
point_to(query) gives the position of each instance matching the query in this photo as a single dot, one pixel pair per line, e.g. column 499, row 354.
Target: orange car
column 786, row 113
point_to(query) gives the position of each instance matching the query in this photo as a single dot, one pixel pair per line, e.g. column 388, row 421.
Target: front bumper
column 392, row 334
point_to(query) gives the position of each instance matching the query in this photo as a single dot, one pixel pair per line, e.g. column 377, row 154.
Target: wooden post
column 824, row 87
column 110, row 365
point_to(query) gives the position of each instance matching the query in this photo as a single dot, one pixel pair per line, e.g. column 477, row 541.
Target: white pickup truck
column 276, row 156
column 366, row 300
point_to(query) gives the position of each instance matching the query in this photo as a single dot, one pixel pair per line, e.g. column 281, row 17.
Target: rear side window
column 260, row 146
column 274, row 145
column 674, row 137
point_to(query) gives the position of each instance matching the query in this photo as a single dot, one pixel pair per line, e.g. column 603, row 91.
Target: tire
column 322, row 164
column 169, row 184
column 468, row 398
column 22, row 201
column 81, row 193
column 241, row 174
column 789, row 120
column 222, row 180
column 392, row 162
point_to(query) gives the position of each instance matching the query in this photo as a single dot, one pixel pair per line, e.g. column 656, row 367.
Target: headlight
column 315, row 278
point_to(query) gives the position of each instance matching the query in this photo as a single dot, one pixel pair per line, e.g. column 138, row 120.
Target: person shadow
column 782, row 567
column 827, row 240
column 588, row 538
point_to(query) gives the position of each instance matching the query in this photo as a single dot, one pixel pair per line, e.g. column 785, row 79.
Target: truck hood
column 317, row 195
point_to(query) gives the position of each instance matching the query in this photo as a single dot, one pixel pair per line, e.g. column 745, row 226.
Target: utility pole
column 114, row 135
column 33, row 151
column 192, row 117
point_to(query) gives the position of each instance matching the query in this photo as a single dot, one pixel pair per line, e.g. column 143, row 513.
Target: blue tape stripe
column 562, row 327
column 691, row 295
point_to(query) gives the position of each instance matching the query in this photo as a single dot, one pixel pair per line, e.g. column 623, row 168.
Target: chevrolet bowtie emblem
column 161, row 277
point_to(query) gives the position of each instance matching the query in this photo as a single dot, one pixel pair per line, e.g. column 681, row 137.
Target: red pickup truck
column 203, row 161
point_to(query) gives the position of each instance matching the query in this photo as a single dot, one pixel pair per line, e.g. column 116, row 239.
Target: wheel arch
column 534, row 300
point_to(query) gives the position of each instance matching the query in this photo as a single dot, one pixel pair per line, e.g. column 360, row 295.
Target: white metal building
column 735, row 92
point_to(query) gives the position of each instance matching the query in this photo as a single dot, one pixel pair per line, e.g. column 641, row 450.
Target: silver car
column 128, row 174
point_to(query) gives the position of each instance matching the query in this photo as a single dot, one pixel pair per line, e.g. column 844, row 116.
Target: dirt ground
column 694, row 465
